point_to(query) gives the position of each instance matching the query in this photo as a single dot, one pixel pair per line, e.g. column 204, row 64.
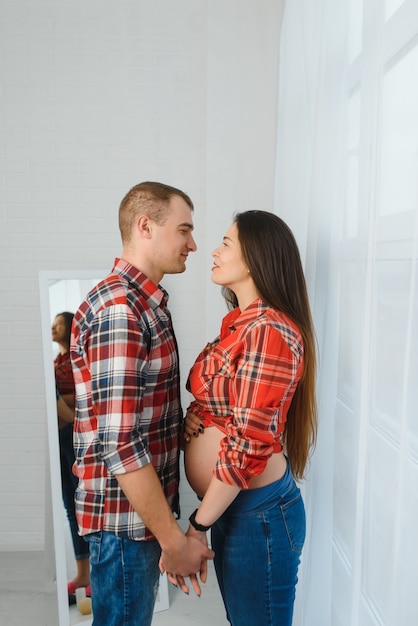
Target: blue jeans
column 257, row 554
column 69, row 484
column 124, row 579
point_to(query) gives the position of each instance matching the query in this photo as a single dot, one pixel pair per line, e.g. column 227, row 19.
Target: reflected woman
column 252, row 425
column 61, row 334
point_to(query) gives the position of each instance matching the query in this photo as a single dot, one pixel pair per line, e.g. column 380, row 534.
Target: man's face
column 173, row 241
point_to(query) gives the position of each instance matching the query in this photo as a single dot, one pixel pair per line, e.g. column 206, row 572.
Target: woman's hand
column 192, row 426
column 179, row 581
column 202, row 537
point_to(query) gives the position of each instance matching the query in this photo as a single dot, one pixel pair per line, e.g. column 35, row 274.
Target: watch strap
column 196, row 526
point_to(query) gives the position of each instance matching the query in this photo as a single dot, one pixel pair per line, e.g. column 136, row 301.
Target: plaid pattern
column 64, row 374
column 243, row 383
column 128, row 414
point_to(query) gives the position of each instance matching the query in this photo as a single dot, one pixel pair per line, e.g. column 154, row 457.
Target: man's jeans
column 124, row 579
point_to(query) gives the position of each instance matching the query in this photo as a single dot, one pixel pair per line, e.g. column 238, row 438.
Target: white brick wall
column 96, row 96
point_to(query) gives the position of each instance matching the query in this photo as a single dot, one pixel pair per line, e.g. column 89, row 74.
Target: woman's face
column 59, row 329
column 229, row 268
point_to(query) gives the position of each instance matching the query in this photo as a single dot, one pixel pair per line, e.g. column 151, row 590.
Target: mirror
column 64, row 291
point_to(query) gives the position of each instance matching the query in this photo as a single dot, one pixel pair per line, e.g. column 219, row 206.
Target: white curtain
column 347, row 184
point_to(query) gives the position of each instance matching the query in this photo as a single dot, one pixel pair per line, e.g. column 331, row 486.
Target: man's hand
column 180, row 555
column 186, row 560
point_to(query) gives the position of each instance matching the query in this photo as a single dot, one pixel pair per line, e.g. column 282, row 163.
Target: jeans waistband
column 252, row 500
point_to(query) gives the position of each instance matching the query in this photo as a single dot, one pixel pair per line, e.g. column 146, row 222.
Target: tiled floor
column 25, row 600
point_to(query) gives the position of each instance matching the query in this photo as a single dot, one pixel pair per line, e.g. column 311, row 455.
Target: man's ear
column 144, row 226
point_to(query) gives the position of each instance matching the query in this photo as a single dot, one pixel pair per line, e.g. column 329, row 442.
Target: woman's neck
column 247, row 297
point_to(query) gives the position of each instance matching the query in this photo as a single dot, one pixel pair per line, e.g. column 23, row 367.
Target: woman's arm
column 69, row 399
column 65, row 413
column 217, row 499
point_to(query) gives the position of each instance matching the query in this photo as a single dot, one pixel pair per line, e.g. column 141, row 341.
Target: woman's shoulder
column 274, row 316
column 276, row 323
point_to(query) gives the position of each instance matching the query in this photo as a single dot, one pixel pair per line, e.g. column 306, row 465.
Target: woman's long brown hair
column 68, row 320
column 272, row 256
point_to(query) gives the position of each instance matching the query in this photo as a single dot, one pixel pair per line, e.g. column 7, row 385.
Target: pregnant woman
column 251, row 428
column 61, row 334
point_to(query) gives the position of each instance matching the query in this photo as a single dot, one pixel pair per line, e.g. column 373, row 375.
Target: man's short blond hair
column 148, row 198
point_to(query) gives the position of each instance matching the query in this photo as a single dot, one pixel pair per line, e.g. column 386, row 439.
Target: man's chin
column 179, row 270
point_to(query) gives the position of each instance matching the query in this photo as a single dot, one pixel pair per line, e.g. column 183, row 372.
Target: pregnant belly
column 200, row 456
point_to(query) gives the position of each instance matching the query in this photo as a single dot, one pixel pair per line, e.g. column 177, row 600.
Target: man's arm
column 182, row 555
column 119, row 353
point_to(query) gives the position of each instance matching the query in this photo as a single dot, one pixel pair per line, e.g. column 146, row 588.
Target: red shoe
column 71, row 587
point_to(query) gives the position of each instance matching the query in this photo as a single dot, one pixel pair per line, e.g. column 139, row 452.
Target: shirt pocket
column 215, row 366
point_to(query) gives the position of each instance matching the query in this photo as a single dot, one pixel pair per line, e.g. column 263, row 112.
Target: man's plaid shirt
column 128, row 414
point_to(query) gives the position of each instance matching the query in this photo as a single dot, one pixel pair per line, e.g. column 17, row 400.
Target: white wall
column 347, row 163
column 94, row 97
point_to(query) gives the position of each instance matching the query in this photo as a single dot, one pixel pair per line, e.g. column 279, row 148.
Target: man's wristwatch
column 196, row 526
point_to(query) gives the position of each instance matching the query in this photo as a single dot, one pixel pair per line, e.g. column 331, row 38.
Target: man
column 128, row 413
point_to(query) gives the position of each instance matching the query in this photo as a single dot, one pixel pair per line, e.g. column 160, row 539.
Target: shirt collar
column 155, row 294
column 236, row 317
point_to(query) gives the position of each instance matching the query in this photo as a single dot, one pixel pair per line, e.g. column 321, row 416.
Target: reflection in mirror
column 64, row 291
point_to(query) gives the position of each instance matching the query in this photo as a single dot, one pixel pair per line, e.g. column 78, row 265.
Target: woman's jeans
column 124, row 579
column 257, row 554
column 69, row 485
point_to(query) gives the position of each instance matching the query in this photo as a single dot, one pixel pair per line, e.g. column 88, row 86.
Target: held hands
column 192, row 557
column 192, row 426
column 197, row 541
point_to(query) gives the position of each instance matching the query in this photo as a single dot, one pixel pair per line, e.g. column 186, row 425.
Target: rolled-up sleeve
column 264, row 370
column 118, row 356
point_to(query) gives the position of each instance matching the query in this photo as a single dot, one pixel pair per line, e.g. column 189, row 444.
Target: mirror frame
column 53, row 486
